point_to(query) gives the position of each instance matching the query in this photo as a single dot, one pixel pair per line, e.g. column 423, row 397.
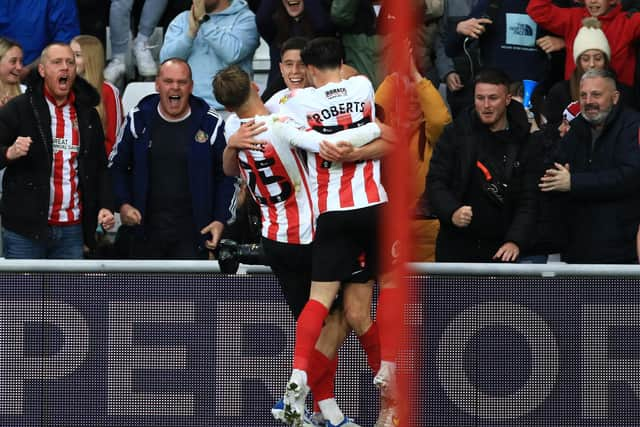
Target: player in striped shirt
column 278, row 180
column 348, row 196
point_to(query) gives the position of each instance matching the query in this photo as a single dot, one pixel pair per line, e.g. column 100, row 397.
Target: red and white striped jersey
column 278, row 181
column 64, row 194
column 330, row 109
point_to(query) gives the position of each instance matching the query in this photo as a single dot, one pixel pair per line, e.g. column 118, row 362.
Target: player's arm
column 242, row 139
column 310, row 140
column 377, row 149
column 230, row 164
column 343, row 151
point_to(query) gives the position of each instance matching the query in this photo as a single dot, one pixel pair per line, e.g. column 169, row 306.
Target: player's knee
column 357, row 317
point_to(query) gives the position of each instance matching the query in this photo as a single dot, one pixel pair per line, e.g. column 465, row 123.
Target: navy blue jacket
column 604, row 202
column 211, row 191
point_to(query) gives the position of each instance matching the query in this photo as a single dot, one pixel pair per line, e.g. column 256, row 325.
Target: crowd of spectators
column 494, row 177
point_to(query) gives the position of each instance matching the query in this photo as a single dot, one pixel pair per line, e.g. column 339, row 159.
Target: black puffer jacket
column 454, row 160
column 25, row 198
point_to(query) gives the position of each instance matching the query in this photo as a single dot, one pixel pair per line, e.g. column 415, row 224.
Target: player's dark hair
column 232, row 87
column 323, row 53
column 294, row 43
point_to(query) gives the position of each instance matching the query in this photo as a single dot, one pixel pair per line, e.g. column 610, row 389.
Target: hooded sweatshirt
column 228, row 37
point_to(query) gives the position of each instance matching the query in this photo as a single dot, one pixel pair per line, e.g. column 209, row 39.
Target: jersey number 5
column 265, row 195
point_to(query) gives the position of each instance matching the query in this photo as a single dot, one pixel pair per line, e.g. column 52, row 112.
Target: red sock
column 319, row 364
column 370, row 343
column 324, row 387
column 308, row 330
column 318, row 368
column 388, row 317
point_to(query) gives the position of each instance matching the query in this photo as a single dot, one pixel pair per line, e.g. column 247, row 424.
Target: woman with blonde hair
column 89, row 55
column 11, row 56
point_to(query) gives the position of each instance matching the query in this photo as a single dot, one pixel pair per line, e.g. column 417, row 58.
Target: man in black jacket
column 598, row 169
column 482, row 179
column 56, row 190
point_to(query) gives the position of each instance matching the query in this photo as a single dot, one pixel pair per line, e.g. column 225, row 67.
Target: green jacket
column 356, row 22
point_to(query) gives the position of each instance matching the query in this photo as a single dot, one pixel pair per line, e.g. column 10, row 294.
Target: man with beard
column 481, row 184
column 598, row 168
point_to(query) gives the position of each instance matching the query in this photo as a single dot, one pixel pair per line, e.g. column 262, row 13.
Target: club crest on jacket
column 201, row 136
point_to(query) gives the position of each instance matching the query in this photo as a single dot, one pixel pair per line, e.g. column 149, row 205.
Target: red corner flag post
column 396, row 216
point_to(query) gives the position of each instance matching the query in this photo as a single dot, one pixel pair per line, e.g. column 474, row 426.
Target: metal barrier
column 459, row 269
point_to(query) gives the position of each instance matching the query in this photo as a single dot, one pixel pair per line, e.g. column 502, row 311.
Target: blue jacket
column 212, row 192
column 37, row 23
column 228, row 37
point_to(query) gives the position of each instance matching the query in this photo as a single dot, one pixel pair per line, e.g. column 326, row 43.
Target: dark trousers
column 131, row 243
column 157, row 248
